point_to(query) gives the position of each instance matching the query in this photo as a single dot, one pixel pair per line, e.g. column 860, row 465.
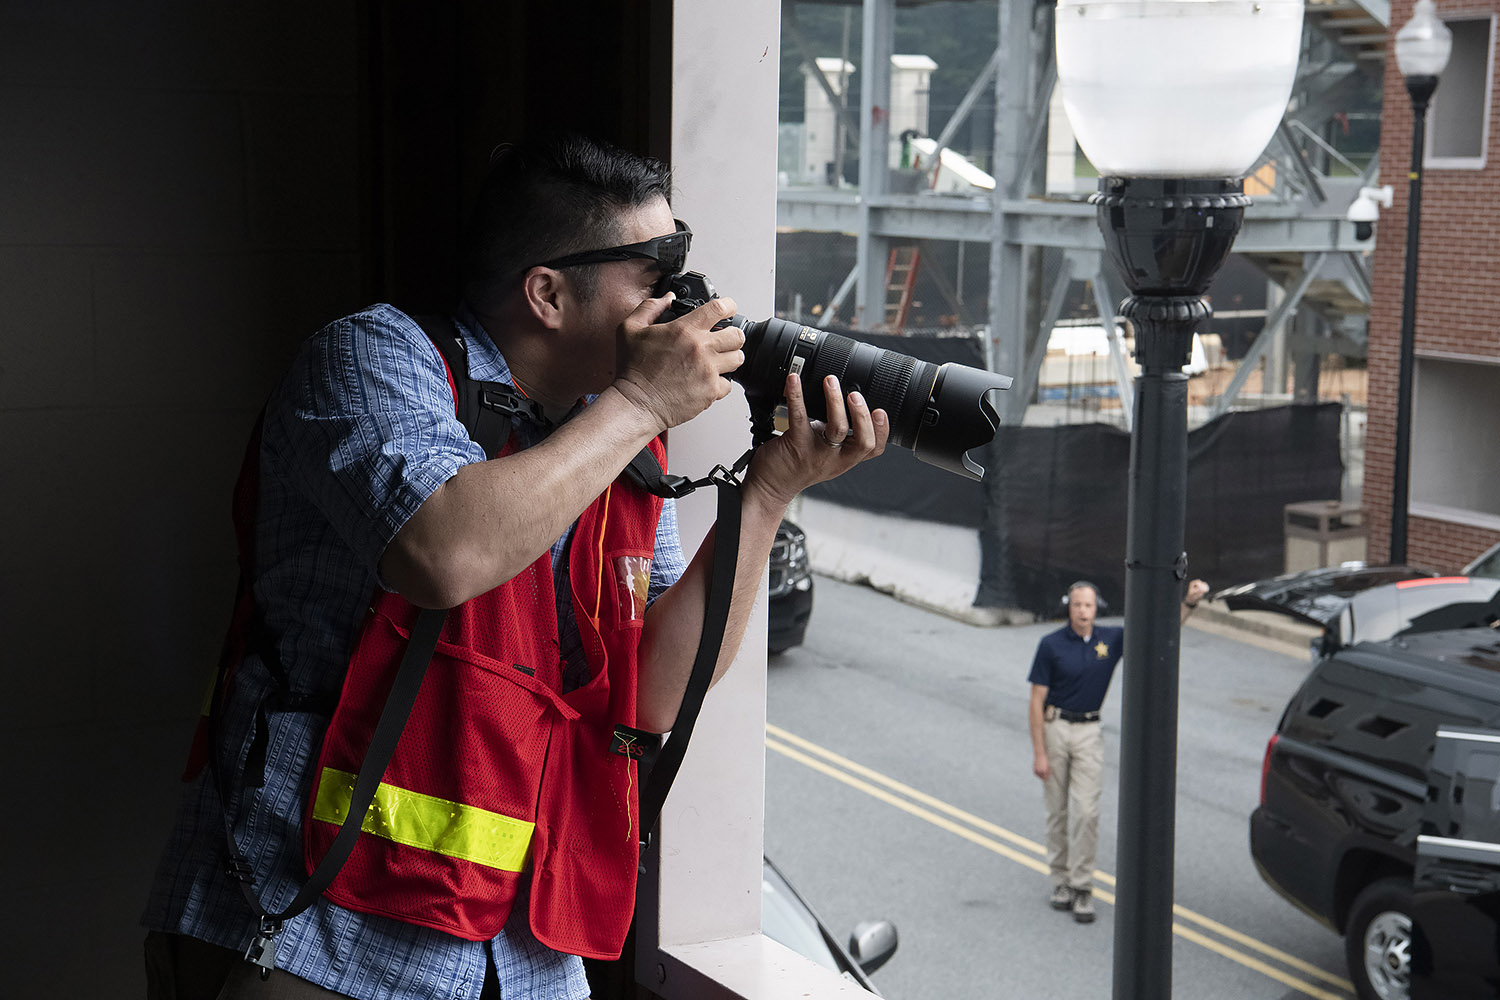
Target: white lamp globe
column 1176, row 88
column 1424, row 43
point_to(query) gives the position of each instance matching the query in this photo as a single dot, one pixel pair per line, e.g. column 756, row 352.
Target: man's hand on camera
column 811, row 451
column 675, row 370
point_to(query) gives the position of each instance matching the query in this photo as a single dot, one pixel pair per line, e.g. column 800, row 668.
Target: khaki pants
column 1075, row 752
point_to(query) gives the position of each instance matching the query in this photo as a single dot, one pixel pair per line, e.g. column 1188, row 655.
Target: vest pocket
column 587, row 845
column 450, row 831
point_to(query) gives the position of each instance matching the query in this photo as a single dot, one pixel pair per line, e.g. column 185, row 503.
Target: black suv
column 1346, row 788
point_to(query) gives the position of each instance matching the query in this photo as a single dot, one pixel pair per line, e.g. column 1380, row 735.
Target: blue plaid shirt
column 356, row 436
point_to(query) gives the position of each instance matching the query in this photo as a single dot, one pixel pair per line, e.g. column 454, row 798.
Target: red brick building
column 1454, row 506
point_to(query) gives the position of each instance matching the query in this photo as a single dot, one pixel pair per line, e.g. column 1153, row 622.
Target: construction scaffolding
column 1030, row 206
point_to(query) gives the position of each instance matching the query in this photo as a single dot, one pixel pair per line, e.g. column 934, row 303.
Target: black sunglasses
column 670, row 252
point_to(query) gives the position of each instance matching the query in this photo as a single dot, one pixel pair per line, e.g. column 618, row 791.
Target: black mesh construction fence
column 1052, row 508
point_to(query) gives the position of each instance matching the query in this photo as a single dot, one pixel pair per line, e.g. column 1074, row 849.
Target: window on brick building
column 1458, row 122
column 1455, row 410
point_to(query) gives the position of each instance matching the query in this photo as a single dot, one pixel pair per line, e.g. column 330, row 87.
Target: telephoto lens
column 940, row 412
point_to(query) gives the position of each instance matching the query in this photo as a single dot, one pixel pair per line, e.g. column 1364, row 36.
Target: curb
column 1263, row 628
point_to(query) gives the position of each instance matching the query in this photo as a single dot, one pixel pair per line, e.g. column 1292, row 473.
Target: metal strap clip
column 262, row 950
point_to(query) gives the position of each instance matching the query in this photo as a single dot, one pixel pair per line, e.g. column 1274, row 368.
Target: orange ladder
column 900, row 278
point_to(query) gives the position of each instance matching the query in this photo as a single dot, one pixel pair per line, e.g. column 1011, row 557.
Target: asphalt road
column 899, row 786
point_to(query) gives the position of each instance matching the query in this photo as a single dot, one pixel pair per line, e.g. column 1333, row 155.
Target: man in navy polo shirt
column 1069, row 678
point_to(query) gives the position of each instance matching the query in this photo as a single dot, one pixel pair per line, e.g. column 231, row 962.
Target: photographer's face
column 620, row 287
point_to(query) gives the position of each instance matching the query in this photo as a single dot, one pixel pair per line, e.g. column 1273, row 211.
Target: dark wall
column 180, row 204
column 187, row 190
column 447, row 82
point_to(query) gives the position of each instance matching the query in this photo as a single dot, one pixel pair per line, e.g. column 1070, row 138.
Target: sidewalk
column 1265, row 629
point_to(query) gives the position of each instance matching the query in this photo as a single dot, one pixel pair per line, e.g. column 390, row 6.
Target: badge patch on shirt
column 632, row 584
column 1101, row 648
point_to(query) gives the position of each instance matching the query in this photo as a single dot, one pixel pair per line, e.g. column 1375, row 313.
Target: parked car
column 1357, row 603
column 1345, row 776
column 790, row 589
column 787, row 919
column 1455, row 906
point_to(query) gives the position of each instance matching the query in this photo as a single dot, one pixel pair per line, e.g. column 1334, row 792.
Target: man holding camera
column 1070, row 676
column 570, row 599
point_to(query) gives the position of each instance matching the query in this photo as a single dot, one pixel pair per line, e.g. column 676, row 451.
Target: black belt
column 1067, row 716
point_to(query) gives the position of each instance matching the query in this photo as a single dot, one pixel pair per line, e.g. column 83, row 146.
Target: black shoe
column 1062, row 897
column 1083, row 906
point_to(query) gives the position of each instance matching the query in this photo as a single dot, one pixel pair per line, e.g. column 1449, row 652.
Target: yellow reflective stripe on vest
column 449, row 828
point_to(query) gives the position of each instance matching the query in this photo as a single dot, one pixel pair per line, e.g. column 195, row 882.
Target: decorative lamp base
column 1168, row 237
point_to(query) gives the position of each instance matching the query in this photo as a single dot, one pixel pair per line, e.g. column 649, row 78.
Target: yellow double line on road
column 1029, row 853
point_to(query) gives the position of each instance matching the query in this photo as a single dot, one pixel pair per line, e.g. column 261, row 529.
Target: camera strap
column 711, row 640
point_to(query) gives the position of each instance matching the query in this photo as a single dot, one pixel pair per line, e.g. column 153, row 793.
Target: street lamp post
column 1172, row 101
column 1422, row 48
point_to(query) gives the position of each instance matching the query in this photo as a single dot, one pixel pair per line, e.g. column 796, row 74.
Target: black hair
column 541, row 200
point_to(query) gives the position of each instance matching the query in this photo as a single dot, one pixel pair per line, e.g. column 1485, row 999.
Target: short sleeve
column 363, row 427
column 668, row 564
column 1041, row 665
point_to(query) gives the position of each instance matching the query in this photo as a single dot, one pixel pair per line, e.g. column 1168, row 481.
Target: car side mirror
column 872, row 944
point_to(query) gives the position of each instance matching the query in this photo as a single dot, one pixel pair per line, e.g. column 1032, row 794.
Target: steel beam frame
column 1267, row 334
column 810, row 66
column 1019, row 396
column 874, row 169
column 1017, row 217
column 961, row 113
column 1048, row 222
column 1013, row 114
column 1124, row 377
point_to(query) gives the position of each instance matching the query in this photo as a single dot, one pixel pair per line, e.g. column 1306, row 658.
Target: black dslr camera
column 940, row 412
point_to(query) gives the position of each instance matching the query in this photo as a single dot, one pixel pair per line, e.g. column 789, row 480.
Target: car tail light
column 1429, row 581
column 1265, row 765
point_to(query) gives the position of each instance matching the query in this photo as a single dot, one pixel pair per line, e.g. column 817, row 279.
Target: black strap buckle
column 719, row 475
column 505, row 401
column 240, row 869
column 674, row 487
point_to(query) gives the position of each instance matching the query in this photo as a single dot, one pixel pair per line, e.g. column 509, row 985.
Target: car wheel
column 1377, row 942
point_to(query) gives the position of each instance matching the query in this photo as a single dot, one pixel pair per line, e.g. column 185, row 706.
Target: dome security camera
column 1365, row 210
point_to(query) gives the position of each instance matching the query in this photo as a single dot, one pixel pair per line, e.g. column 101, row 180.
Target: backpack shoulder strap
column 486, row 409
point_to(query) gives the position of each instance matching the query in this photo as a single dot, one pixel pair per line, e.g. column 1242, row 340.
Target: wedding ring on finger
column 831, row 444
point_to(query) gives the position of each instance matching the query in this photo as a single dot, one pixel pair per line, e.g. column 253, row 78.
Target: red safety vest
column 497, row 773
